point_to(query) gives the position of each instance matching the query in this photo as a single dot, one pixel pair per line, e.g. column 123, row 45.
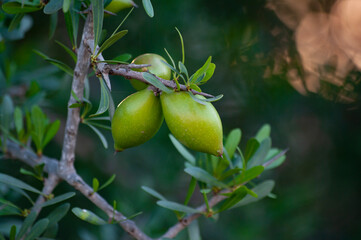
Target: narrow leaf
column 182, row 68
column 14, row 8
column 209, row 73
column 88, row 216
column 53, row 6
column 51, row 132
column 6, row 179
column 261, row 153
column 213, row 99
column 95, row 184
column 263, row 133
column 62, row 66
column 203, row 69
column 66, row 5
column 52, row 24
column 262, row 190
column 177, row 207
column 191, row 188
column 236, row 196
column 29, row 220
column 104, row 99
column 275, row 158
column 18, row 119
column 182, row 44
column 193, row 231
column 198, row 100
column 233, row 140
column 58, row 213
column 98, row 14
column 58, row 199
column 251, row 148
column 150, row 78
column 69, row 27
column 248, row 175
column 203, row 176
column 123, row 57
column 100, row 135
column 148, row 8
column 37, row 229
column 110, row 41
column 182, row 150
column 68, row 50
column 15, row 21
column 110, row 180
column 12, row 232
column 153, row 193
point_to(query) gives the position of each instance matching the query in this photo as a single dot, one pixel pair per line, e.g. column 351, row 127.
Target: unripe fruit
column 116, row 5
column 197, row 126
column 158, row 68
column 136, row 119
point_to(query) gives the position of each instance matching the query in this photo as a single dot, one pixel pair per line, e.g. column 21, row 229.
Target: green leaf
column 110, row 180
column 58, row 199
column 12, row 232
column 29, row 173
column 8, row 203
column 150, row 78
column 177, row 207
column 69, row 27
column 95, row 185
column 6, row 179
column 88, row 216
column 236, row 196
column 98, row 15
column 261, row 153
column 172, row 68
column 263, row 133
column 182, row 150
column 148, row 8
column 74, row 11
column 51, row 132
column 68, row 50
column 54, row 5
column 2, row 237
column 58, row 213
column 125, row 18
column 275, row 158
column 182, row 68
column 123, row 57
column 262, row 190
column 6, row 210
column 192, row 187
column 62, row 66
column 183, row 52
column 153, row 193
column 100, row 135
column 202, row 70
column 50, row 232
column 37, row 229
column 110, row 41
column 213, row 99
column 209, row 73
column 18, row 119
column 52, row 25
column 104, row 99
column 14, row 8
column 251, row 148
column 195, row 87
column 193, row 231
column 233, row 140
column 29, row 220
column 203, row 176
column 229, row 173
column 248, row 175
column 66, row 5
column 15, row 21
column 7, row 111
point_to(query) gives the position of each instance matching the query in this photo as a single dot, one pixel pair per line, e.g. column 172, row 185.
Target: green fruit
column 116, row 5
column 136, row 119
column 195, row 125
column 158, row 68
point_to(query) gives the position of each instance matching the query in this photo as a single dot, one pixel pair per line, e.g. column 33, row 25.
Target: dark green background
column 317, row 188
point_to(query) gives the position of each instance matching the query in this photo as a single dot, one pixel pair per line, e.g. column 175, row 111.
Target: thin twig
column 50, row 184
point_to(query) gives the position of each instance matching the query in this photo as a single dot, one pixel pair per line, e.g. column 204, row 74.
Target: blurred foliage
column 317, row 188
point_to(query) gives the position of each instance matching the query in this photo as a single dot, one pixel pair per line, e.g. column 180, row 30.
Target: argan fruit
column 136, row 119
column 157, row 68
column 197, row 126
column 116, row 5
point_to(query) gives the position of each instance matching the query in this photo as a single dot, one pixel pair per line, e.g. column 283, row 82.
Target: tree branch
column 50, row 184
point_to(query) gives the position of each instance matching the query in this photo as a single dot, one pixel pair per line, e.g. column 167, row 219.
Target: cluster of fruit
column 139, row 116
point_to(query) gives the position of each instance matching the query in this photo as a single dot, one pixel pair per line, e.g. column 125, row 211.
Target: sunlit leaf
column 209, row 73
column 182, row 150
column 202, row 70
column 88, row 216
column 123, row 57
column 95, row 185
column 153, row 193
column 66, row 5
column 177, row 207
column 148, row 8
column 248, row 175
